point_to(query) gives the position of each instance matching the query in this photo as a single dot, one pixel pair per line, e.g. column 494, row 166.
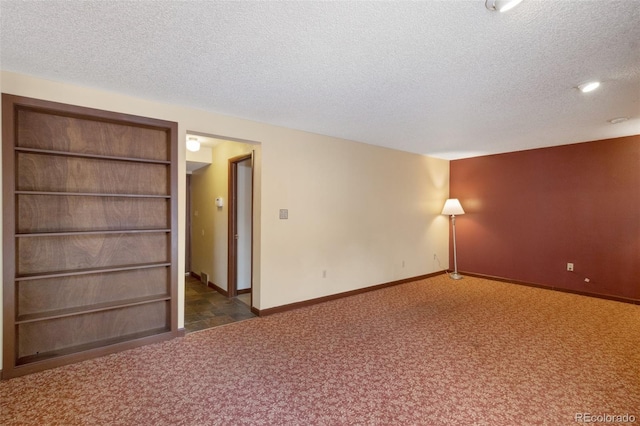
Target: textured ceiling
column 444, row 78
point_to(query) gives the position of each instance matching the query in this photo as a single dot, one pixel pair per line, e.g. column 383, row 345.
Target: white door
column 243, row 263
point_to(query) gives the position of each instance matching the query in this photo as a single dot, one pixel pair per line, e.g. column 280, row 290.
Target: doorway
column 240, row 271
column 187, row 247
column 220, row 193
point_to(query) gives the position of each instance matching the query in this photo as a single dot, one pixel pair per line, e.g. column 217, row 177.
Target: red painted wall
column 531, row 212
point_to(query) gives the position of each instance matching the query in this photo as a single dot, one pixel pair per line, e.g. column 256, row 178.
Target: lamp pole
column 452, row 208
column 454, row 275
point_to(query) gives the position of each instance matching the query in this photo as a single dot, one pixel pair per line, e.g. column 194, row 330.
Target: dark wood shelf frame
column 91, row 194
column 99, row 232
column 44, row 356
column 85, row 191
column 87, row 271
column 99, row 307
column 81, row 155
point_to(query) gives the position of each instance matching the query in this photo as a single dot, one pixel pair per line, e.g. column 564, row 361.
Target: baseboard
column 211, row 285
column 220, row 290
column 554, row 288
column 244, row 291
column 310, row 302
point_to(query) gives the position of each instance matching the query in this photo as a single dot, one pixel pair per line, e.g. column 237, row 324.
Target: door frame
column 232, row 228
column 187, row 246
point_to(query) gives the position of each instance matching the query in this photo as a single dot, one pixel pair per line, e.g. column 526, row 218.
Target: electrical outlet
column 403, row 263
column 570, row 267
column 324, row 273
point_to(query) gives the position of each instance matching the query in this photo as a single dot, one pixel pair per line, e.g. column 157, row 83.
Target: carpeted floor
column 432, row 352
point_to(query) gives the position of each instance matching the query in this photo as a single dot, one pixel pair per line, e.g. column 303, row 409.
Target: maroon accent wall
column 531, row 212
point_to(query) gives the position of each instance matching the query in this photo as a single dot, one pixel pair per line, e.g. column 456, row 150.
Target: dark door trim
column 232, row 243
column 187, row 246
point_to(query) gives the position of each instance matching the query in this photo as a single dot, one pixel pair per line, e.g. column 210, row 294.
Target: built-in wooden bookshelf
column 90, row 233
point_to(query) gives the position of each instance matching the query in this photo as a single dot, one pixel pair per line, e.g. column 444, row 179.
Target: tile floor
column 206, row 308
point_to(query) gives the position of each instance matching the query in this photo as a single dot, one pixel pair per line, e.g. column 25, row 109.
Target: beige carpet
column 432, row 352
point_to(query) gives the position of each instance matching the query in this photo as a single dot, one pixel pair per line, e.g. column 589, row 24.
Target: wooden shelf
column 91, row 194
column 91, row 233
column 89, row 346
column 106, row 231
column 82, row 155
column 87, row 309
column 40, row 276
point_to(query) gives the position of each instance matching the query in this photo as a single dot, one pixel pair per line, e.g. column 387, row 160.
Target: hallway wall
column 209, row 251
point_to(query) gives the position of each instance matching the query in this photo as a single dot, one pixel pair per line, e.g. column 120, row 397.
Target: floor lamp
column 452, row 208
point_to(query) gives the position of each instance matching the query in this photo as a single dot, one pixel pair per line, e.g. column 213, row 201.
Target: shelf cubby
column 42, row 357
column 91, row 232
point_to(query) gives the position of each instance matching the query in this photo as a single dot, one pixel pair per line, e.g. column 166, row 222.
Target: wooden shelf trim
column 91, row 194
column 78, row 179
column 82, row 155
column 88, row 309
column 109, row 231
column 93, row 345
column 40, row 276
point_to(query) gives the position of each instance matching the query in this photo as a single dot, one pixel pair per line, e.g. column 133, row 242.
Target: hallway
column 206, row 308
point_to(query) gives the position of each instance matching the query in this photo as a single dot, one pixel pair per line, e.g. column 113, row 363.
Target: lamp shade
column 452, row 207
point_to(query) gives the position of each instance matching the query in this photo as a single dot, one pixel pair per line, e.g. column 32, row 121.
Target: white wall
column 356, row 211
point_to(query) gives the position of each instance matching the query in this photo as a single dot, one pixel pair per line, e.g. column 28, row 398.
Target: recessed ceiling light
column 501, row 5
column 589, row 86
column 193, row 144
column 618, row 120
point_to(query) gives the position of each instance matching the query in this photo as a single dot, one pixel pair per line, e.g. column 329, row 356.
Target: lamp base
column 455, row 276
